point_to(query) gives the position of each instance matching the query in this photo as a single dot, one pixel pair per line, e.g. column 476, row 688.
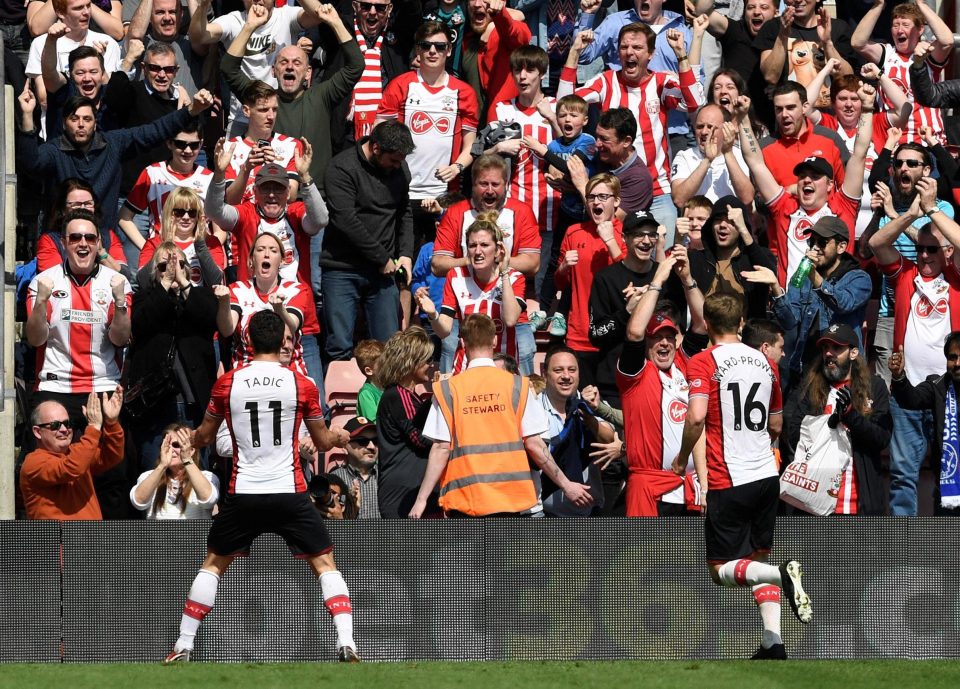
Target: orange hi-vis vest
column 488, row 471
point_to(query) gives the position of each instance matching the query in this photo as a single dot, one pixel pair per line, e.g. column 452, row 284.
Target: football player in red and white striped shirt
column 528, row 184
column 648, row 95
column 653, row 393
column 735, row 398
column 265, row 404
column 907, row 25
column 486, row 285
column 78, row 316
column 440, row 110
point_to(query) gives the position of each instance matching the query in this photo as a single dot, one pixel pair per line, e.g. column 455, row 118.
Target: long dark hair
column 53, row 222
column 816, row 387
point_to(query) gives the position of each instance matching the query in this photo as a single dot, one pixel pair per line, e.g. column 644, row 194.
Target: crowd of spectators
column 585, row 173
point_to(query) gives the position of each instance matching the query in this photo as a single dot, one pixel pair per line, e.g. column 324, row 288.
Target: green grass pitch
column 843, row 674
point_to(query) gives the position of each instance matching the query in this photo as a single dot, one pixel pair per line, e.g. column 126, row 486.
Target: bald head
column 292, row 70
column 47, row 438
column 710, row 120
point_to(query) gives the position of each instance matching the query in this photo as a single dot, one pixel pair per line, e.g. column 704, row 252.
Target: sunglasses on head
column 56, row 425
column 162, row 265
column 182, row 145
column 910, row 163
column 180, row 212
column 77, row 238
column 156, row 69
column 441, row 46
column 376, row 7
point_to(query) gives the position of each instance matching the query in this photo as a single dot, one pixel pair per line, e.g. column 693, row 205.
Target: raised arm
column 881, row 242
column 816, row 86
column 773, row 60
column 901, row 107
column 53, row 78
column 646, row 301
column 927, row 192
column 202, row 33
column 752, row 155
column 861, row 40
column 942, row 34
column 853, row 181
column 825, row 35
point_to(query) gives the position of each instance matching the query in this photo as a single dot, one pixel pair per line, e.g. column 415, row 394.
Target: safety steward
column 485, row 424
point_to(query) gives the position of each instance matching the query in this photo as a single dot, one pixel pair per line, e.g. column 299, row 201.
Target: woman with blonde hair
column 182, row 222
column 487, row 284
column 405, row 364
column 176, row 488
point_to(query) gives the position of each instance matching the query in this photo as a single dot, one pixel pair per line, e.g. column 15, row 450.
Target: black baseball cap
column 271, row 172
column 814, row 164
column 840, row 334
column 357, row 425
column 637, row 222
column 720, row 211
column 831, row 226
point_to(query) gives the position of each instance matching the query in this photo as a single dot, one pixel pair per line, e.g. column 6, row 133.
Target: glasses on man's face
column 162, row 265
column 819, row 242
column 55, row 425
column 180, row 212
column 182, row 145
column 156, row 69
column 930, row 248
column 376, row 7
column 73, row 205
column 602, row 198
column 441, row 46
column 77, row 238
column 909, row 162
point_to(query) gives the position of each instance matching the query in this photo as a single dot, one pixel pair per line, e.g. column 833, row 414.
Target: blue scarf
column 950, row 453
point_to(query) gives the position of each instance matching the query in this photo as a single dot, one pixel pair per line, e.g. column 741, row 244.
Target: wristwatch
column 188, row 462
column 459, row 167
column 120, row 306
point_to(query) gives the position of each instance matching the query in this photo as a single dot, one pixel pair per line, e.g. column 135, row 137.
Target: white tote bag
column 811, row 482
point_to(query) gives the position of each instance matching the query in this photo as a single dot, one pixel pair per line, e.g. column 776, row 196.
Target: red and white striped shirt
column 743, row 390
column 527, row 182
column 463, row 296
column 155, row 183
column 437, row 117
column 246, row 300
column 264, row 405
column 369, row 89
column 897, row 67
column 284, row 147
column 78, row 356
column 520, row 232
column 289, row 229
column 650, row 102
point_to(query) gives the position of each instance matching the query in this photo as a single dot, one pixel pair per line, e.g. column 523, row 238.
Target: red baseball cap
column 660, row 322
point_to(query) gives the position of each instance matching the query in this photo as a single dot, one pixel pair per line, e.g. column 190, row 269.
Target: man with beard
column 911, row 164
column 936, row 394
column 817, row 194
column 279, row 30
column 729, row 254
column 493, row 34
column 835, row 291
column 908, row 22
column 611, row 301
column 158, row 21
column 304, row 111
column 369, row 237
column 838, row 382
column 648, row 94
column 650, row 377
column 84, row 77
column 85, row 152
column 926, row 309
column 361, row 465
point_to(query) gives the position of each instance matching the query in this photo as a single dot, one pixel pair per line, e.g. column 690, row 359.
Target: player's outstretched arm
column 206, row 433
column 325, row 438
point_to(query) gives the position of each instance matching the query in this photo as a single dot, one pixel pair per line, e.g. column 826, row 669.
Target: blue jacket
column 805, row 312
column 100, row 165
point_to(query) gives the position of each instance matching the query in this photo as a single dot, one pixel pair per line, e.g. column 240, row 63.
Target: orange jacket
column 60, row 486
column 488, row 471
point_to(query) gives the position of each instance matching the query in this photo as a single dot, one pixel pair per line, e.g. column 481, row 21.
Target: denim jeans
column 344, row 292
column 311, row 359
column 912, row 434
column 449, row 347
column 526, row 348
column 665, row 213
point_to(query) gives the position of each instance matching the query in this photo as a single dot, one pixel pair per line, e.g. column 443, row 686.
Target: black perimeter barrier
column 600, row 589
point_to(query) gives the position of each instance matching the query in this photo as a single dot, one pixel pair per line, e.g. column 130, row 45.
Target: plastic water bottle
column 803, row 270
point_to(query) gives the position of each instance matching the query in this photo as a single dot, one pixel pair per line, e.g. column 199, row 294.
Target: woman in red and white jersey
column 292, row 301
column 486, row 285
column 182, row 222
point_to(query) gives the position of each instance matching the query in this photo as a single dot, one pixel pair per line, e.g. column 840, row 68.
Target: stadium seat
column 538, row 359
column 342, row 383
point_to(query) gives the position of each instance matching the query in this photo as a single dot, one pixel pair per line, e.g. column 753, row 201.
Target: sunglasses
column 182, row 145
column 156, row 69
column 912, row 164
column 930, row 248
column 603, row 198
column 80, row 204
column 820, row 242
column 55, row 425
column 77, row 238
column 441, row 46
column 180, row 212
column 364, row 441
column 367, row 6
column 162, row 265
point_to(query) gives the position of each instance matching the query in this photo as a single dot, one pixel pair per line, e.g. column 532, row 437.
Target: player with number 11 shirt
column 735, row 397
